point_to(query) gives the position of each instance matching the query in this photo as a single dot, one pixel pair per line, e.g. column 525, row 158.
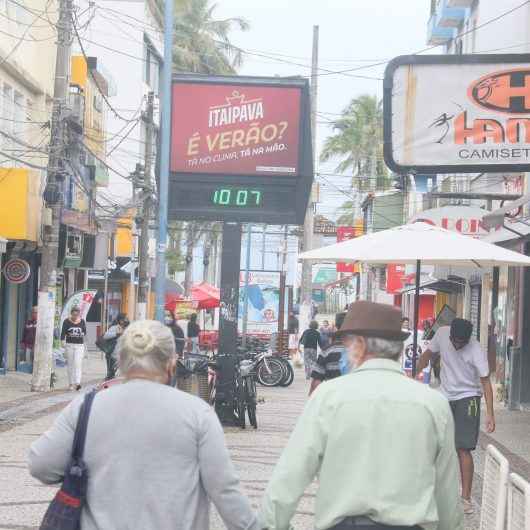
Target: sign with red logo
column 466, row 220
column 458, row 113
column 234, row 129
column 395, row 278
column 17, row 270
column 343, row 234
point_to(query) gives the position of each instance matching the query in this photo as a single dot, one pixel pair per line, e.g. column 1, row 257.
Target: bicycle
column 245, row 392
column 248, row 396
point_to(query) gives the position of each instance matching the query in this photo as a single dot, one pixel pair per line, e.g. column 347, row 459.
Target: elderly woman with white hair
column 155, row 455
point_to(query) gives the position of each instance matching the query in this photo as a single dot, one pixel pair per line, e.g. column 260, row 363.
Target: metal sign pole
column 165, row 124
column 245, row 294
column 226, row 359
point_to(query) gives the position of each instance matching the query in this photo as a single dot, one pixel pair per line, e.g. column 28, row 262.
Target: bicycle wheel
column 251, row 399
column 289, row 376
column 270, row 372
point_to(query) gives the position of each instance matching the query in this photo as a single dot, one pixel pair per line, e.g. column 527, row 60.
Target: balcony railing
column 460, row 3
column 437, row 34
column 445, row 18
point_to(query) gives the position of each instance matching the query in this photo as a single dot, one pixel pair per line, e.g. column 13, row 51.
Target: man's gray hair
column 384, row 348
column 146, row 345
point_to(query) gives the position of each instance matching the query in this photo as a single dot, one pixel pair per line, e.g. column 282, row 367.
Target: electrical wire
column 429, row 48
column 327, row 72
column 19, row 160
column 103, row 95
column 23, row 36
column 101, row 161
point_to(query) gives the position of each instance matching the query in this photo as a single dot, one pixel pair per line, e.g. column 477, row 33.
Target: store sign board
column 17, row 270
column 457, row 113
column 396, row 275
column 466, row 220
column 344, row 233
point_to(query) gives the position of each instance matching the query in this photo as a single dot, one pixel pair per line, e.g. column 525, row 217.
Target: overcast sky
column 353, row 33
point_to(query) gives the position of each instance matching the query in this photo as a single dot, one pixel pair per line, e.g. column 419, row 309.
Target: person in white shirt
column 464, row 378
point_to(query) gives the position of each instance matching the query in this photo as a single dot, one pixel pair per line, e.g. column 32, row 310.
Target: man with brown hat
column 381, row 444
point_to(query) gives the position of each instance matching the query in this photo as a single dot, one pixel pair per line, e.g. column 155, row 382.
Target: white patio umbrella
column 418, row 243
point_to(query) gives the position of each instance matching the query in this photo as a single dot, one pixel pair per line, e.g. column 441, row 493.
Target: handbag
column 64, row 512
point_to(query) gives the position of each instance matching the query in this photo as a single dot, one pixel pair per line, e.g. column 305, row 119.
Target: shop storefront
column 18, row 294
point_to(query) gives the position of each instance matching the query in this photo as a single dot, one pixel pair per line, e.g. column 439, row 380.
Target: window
column 7, row 113
column 152, row 67
column 19, row 115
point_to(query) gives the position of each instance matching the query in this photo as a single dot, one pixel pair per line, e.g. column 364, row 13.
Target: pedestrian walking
column 381, row 444
column 178, row 333
column 73, row 336
column 194, row 331
column 332, row 362
column 310, row 340
column 155, row 455
column 464, row 378
column 110, row 339
column 326, row 333
column 292, row 324
column 28, row 337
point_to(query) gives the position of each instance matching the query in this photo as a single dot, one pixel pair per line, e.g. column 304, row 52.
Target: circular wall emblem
column 17, row 270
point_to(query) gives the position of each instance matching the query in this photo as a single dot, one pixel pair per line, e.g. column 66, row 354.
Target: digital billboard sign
column 240, row 149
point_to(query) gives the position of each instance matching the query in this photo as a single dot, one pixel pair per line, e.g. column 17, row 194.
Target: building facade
column 497, row 301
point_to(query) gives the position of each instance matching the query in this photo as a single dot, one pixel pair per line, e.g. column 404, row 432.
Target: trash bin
column 192, row 375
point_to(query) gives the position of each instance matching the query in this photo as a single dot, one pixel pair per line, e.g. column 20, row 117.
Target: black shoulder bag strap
column 81, row 429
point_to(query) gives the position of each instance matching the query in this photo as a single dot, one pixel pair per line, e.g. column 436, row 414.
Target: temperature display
column 237, row 197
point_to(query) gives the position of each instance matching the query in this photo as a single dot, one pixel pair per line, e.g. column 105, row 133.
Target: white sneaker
column 467, row 505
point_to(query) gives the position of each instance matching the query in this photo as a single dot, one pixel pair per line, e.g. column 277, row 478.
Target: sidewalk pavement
column 17, row 385
column 255, row 453
column 512, row 438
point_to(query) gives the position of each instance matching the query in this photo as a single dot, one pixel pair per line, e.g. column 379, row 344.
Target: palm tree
column 357, row 142
column 202, row 43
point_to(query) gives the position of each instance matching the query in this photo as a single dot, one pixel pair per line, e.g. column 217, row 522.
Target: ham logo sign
column 457, row 113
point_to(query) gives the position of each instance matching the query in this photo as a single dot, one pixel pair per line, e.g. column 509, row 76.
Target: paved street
column 23, row 500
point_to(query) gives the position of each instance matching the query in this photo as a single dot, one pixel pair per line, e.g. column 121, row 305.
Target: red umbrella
column 206, row 296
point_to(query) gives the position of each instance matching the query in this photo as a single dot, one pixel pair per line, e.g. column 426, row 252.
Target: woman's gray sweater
column 155, row 457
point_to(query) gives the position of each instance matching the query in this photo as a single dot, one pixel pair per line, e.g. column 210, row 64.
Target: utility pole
column 143, row 260
column 307, row 242
column 53, row 196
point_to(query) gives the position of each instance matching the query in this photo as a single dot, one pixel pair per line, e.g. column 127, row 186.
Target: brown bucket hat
column 368, row 319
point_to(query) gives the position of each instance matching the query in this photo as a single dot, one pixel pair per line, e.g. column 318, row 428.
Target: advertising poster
column 184, row 309
column 81, row 299
column 235, row 129
column 263, row 301
column 344, row 233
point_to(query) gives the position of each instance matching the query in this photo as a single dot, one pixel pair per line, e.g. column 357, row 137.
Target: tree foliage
column 202, row 43
column 357, row 145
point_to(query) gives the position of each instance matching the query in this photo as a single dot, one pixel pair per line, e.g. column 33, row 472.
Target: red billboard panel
column 235, row 129
column 343, row 234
